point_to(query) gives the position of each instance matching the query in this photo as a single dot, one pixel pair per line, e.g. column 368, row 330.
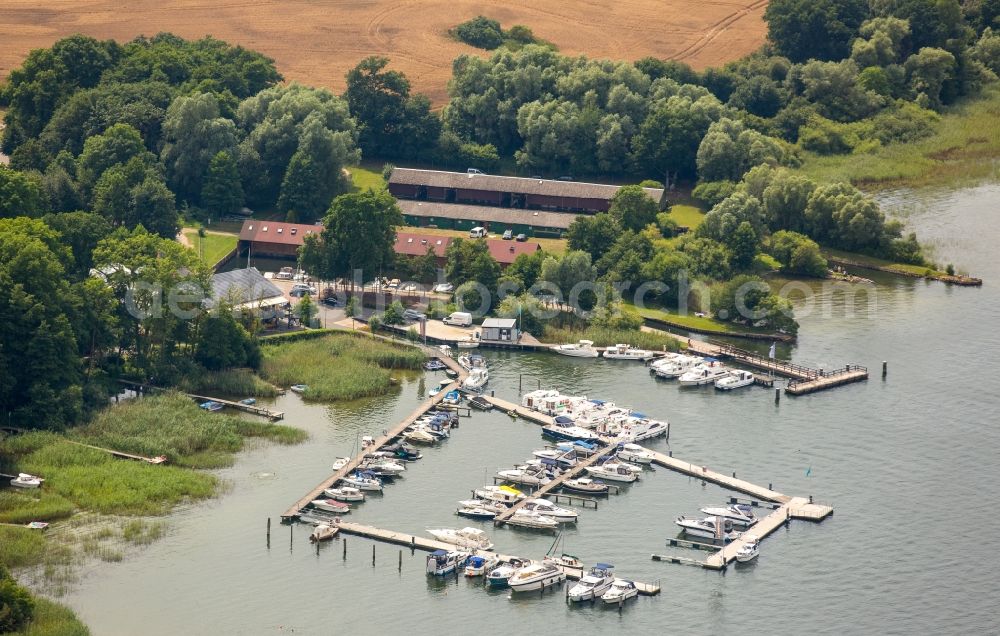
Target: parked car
column 473, row 171
column 393, row 284
column 408, row 287
column 521, row 238
column 286, row 273
column 412, row 315
column 477, row 232
column 459, row 319
column 330, row 301
column 444, row 288
column 508, row 235
column 301, row 289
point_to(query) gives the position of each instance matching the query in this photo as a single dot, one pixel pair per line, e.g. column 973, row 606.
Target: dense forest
column 113, row 144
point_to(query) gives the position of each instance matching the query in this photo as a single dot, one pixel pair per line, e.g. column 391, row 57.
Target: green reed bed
column 33, row 505
column 238, row 382
column 338, row 366
column 52, row 619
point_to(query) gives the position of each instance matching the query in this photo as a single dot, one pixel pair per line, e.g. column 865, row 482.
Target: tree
column 134, row 194
column 21, row 194
column 797, row 253
column 316, row 171
column 352, row 308
column 617, row 316
column 623, row 263
column 785, row 200
column 728, row 151
column 470, row 260
column 928, row 71
column 306, row 311
column 358, row 237
column 81, row 232
column 194, row 132
column 527, row 309
column 481, row 32
column 708, row 258
column 222, row 192
column 633, row 208
column 566, row 273
column 526, row 268
column 668, row 267
column 722, row 220
column 932, row 22
column 668, row 140
column 223, row 343
column 814, row 29
column 593, row 234
column 16, row 605
column 742, row 243
column 391, row 122
column 118, row 145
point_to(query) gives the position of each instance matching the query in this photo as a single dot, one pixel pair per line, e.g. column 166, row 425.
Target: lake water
column 909, row 463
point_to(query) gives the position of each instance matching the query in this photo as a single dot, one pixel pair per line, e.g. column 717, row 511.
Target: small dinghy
column 211, row 406
column 331, row 505
column 24, row 480
column 480, row 403
column 324, row 532
column 435, row 365
column 345, row 493
column 340, row 462
column 299, row 388
column 248, row 401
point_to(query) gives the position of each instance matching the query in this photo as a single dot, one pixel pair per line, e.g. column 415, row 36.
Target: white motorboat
column 479, row 511
column 594, row 584
column 566, row 431
column 477, row 379
column 363, row 480
column 562, row 458
column 532, row 519
column 549, row 509
column 703, row 374
column 635, row 454
column 536, row 576
column 585, row 485
column 499, row 494
column 385, row 465
column 620, row 591
column 582, row 349
column 324, row 532
column 527, row 475
column 735, row 380
column 614, row 471
column 472, row 361
column 442, row 562
column 419, row 436
column 472, row 538
column 345, row 493
column 709, row 528
column 636, row 427
column 467, row 342
column 479, row 565
column 331, row 505
column 499, row 576
column 749, row 550
column 24, row 480
column 547, row 401
column 340, row 462
column 741, row 515
column 676, row 367
column 627, row 352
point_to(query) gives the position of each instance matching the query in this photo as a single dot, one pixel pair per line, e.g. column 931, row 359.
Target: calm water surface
column 909, row 464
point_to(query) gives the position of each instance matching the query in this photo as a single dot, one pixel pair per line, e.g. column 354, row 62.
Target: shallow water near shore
column 900, row 459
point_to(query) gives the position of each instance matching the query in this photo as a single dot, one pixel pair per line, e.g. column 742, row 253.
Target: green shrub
column 16, row 606
column 711, row 193
column 52, row 619
column 481, row 32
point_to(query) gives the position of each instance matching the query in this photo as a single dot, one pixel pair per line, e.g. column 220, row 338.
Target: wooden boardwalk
column 827, row 381
column 120, row 454
column 429, row 545
column 293, row 512
column 581, row 465
column 727, row 481
column 246, row 408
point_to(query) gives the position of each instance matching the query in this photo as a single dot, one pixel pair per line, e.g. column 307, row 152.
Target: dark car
column 330, row 301
column 521, row 237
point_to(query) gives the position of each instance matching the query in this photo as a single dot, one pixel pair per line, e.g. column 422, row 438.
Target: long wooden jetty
column 110, row 451
column 295, row 510
column 576, row 469
column 429, row 545
column 246, row 408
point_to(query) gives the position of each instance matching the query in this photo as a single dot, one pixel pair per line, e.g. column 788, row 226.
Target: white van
column 459, row 319
column 477, row 232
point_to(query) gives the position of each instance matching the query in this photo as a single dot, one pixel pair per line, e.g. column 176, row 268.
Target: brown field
column 317, row 41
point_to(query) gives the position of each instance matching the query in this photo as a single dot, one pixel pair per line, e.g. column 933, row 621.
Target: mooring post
column 520, row 378
column 291, row 535
column 670, row 453
column 373, row 555
column 770, row 486
column 317, row 548
column 400, row 560
column 885, row 368
column 269, row 533
column 734, row 474
column 668, row 431
column 345, row 548
column 777, row 395
column 413, row 545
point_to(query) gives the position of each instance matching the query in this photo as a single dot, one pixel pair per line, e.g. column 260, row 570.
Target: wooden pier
column 110, row 451
column 581, row 465
column 429, row 545
column 294, row 511
column 246, row 408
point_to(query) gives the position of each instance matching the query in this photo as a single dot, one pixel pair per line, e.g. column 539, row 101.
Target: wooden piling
column 345, row 548
column 885, row 368
column 373, row 555
column 400, row 560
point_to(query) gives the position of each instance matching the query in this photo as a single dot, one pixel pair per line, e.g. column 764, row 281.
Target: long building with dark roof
column 457, row 216
column 505, row 192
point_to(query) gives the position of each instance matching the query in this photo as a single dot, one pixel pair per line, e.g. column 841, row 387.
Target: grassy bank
column 902, row 269
column 338, row 366
column 233, row 382
column 212, row 247
column 962, row 150
column 52, row 619
column 607, row 337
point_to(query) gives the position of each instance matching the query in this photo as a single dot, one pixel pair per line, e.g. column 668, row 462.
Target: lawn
column 916, row 270
column 690, row 321
column 688, row 216
column 213, row 247
column 961, row 150
column 550, row 245
column 602, row 337
column 365, row 177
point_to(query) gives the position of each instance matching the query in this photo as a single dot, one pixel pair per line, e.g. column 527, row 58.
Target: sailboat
column 561, row 559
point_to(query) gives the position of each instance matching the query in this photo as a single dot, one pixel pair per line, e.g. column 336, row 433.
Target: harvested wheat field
column 317, row 41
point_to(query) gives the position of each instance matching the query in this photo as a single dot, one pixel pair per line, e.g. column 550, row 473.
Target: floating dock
column 294, row 512
column 423, row 543
column 580, row 466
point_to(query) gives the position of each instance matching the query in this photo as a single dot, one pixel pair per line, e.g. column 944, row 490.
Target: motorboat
column 499, row 494
column 477, row 379
column 480, row 403
column 592, row 585
column 563, row 459
column 749, row 550
column 467, row 342
column 435, row 365
column 419, row 436
column 582, row 349
column 452, row 398
column 331, row 505
column 478, row 565
column 472, row 361
column 580, row 447
column 627, row 352
column 620, row 591
column 440, row 386
column 24, row 480
column 549, row 509
column 708, row 527
column 735, row 380
column 442, row 562
column 532, row 519
column 637, row 427
column 472, row 538
column 547, row 401
column 324, row 532
column 384, row 466
column 566, row 431
column 741, row 515
column 399, row 451
column 499, row 577
column 340, row 462
column 536, row 576
column 211, row 406
column 479, row 511
column 527, row 475
column 586, row 486
column 364, row 480
column 451, row 373
column 248, row 401
column 345, row 493
column 676, row 367
column 299, row 388
column 702, row 374
column 614, row 471
column 635, row 454
column 366, row 441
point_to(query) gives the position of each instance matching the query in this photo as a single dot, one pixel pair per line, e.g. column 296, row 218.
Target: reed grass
column 40, row 505
column 338, row 366
column 233, row 382
column 143, row 532
column 53, row 619
column 21, row 547
column 603, row 337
